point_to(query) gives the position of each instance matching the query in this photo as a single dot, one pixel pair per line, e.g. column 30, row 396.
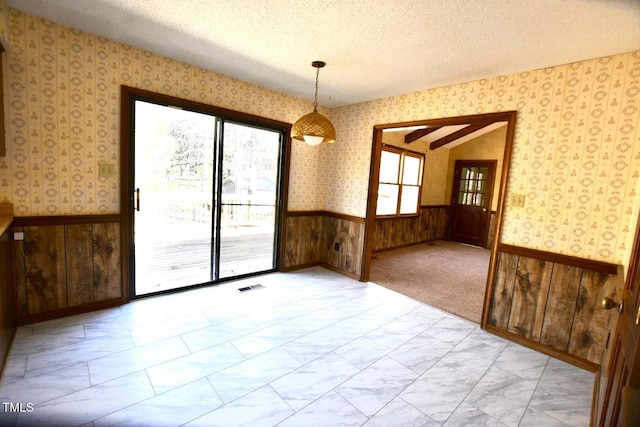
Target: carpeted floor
column 448, row 275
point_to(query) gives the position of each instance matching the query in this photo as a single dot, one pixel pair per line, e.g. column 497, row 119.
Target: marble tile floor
column 311, row 348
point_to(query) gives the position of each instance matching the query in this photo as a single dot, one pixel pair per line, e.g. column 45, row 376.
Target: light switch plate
column 517, row 200
column 106, row 170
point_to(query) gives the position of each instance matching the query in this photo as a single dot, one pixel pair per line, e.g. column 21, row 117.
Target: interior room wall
column 63, row 97
column 575, row 155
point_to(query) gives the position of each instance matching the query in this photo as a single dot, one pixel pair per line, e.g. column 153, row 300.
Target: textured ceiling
column 373, row 48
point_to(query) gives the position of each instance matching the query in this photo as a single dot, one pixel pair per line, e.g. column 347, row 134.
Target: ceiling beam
column 417, row 134
column 458, row 134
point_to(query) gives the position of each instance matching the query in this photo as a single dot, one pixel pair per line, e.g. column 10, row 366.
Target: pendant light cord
column 315, row 102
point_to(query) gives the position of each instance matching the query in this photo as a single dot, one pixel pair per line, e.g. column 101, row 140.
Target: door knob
column 608, row 304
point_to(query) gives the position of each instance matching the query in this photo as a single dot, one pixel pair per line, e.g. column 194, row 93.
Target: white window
column 399, row 182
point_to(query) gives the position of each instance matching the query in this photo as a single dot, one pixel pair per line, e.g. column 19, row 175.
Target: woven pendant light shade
column 314, row 128
column 314, row 124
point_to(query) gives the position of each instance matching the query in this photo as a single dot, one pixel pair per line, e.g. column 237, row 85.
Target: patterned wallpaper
column 63, row 92
column 576, row 152
column 575, row 156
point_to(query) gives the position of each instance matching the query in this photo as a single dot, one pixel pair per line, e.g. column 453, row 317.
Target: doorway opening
column 434, row 221
column 203, row 190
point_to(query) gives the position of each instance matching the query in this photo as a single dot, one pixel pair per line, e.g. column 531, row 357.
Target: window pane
column 411, row 173
column 409, row 200
column 389, row 167
column 473, row 185
column 387, row 199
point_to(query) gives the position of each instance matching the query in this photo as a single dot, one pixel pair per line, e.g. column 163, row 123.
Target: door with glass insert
column 471, row 201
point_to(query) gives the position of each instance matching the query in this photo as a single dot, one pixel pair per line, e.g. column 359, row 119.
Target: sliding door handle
column 137, row 200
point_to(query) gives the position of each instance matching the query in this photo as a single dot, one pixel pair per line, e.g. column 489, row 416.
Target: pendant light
column 314, row 128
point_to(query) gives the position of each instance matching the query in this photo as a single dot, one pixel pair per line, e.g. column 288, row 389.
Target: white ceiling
column 373, row 48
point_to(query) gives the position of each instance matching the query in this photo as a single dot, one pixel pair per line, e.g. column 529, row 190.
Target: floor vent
column 250, row 288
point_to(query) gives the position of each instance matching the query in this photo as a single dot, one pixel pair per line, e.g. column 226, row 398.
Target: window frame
column 403, row 154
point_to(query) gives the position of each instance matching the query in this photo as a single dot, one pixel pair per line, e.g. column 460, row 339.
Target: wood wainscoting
column 7, row 309
column 66, row 265
column 303, row 239
column 431, row 224
column 553, row 303
column 335, row 241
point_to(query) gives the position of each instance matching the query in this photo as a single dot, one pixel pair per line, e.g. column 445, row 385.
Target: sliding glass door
column 205, row 198
column 248, row 192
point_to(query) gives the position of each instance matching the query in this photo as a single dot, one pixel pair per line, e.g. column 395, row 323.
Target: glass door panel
column 173, row 196
column 249, row 194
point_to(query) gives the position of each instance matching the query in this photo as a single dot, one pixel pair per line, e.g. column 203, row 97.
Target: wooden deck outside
column 173, row 243
column 169, row 265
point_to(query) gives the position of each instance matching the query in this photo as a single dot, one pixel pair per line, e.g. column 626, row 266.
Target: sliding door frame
column 129, row 96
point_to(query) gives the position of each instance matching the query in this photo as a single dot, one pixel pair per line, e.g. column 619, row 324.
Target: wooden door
column 471, row 201
column 619, row 376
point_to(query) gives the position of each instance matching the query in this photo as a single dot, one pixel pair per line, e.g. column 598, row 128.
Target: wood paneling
column 430, row 224
column 63, row 266
column 324, row 238
column 591, row 322
column 343, row 244
column 79, row 266
column 434, row 222
column 7, row 309
column 529, row 297
column 503, row 290
column 107, row 275
column 553, row 301
column 303, row 240
column 44, row 274
column 561, row 306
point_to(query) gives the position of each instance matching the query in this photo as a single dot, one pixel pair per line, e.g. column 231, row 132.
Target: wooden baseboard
column 27, row 319
column 421, row 242
column 5, row 356
column 300, row 266
column 341, row 271
column 543, row 348
column 320, row 264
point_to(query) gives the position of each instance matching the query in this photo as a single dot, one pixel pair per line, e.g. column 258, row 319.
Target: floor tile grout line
column 476, row 383
column 538, row 381
column 395, row 303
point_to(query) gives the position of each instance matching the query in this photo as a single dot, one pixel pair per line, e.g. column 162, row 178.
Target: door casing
column 507, row 116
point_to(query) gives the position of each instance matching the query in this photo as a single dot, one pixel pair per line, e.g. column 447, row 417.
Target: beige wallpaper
column 575, row 156
column 576, row 152
column 63, row 97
